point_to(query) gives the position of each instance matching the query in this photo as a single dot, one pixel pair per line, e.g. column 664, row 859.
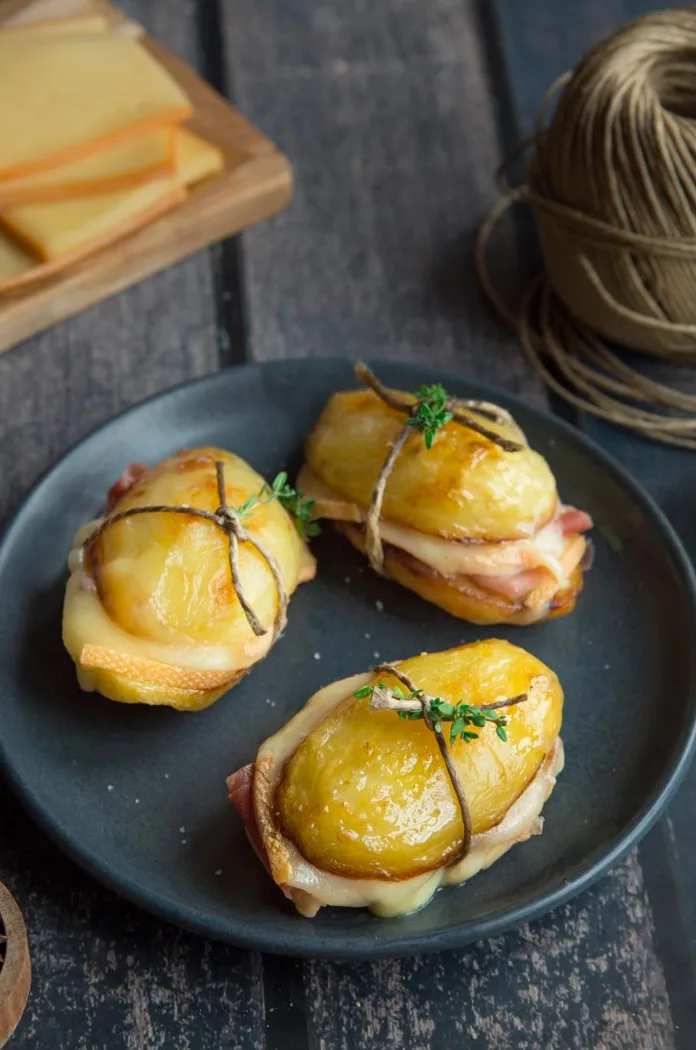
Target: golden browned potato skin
column 164, row 580
column 458, row 595
column 167, row 577
column 366, row 794
column 464, row 488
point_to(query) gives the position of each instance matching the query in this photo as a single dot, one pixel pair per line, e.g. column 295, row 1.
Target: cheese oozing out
column 150, row 614
column 257, row 793
column 514, row 568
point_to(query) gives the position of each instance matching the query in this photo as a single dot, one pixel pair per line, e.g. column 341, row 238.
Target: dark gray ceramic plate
column 115, row 785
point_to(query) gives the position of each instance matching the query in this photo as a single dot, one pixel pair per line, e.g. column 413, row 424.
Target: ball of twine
column 612, row 183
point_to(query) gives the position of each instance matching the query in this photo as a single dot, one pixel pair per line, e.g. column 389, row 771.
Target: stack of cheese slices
column 94, row 141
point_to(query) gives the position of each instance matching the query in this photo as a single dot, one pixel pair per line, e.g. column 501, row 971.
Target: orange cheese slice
column 116, row 168
column 196, row 160
column 62, row 228
column 42, row 270
column 53, row 230
column 66, row 97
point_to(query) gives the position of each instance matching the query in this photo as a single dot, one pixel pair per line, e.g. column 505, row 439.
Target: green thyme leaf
column 290, row 499
column 431, row 412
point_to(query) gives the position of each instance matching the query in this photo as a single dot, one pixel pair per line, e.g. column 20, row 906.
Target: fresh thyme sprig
column 292, row 500
column 431, row 412
column 461, row 716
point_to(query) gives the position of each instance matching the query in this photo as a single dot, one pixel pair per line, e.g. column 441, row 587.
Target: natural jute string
column 228, row 521
column 459, row 411
column 612, row 183
column 383, row 700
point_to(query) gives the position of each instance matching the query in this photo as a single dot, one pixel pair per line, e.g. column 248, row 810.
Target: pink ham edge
column 240, row 786
column 573, row 520
column 519, row 586
column 120, row 488
column 512, row 587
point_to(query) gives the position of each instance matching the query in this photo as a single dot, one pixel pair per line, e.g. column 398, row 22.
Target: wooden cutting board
column 256, row 183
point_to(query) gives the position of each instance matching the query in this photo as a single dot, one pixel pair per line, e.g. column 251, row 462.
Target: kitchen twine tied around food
column 611, row 180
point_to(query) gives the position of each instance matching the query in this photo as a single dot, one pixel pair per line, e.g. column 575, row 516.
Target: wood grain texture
column 533, row 52
column 392, row 114
column 256, row 183
column 557, row 983
column 386, row 113
column 105, row 975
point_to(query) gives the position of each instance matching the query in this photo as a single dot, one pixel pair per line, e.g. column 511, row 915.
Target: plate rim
column 322, row 945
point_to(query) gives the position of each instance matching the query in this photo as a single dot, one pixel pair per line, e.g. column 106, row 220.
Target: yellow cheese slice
column 65, row 97
column 14, row 260
column 196, row 159
column 55, row 229
column 64, row 227
column 115, row 168
column 84, row 26
column 174, row 196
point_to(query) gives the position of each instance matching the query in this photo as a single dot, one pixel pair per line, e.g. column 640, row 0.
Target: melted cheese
column 312, row 888
column 115, row 168
column 451, row 557
column 63, row 97
column 85, row 622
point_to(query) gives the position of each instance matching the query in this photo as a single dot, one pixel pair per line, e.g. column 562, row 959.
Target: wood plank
column 536, row 50
column 386, row 114
column 584, row 977
column 256, row 183
column 105, row 974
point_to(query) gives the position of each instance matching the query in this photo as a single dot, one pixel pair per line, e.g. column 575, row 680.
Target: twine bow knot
column 417, row 703
column 227, row 519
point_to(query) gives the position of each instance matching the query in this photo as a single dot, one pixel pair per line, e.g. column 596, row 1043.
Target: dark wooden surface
column 394, row 115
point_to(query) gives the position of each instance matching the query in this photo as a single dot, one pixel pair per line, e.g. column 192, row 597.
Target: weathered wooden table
column 394, row 114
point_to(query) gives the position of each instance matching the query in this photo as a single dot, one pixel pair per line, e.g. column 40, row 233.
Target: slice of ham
column 517, row 570
column 516, row 587
column 240, row 786
column 120, row 488
column 310, row 888
column 573, row 520
column 519, row 586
